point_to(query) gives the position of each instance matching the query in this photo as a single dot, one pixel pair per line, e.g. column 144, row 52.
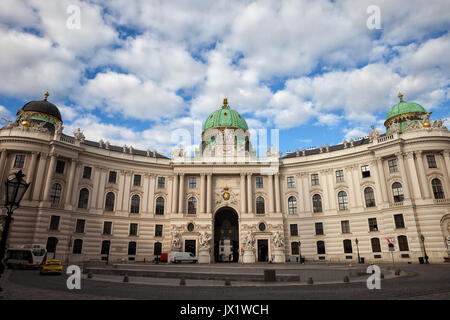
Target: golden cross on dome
column 400, row 96
column 225, row 102
column 46, row 95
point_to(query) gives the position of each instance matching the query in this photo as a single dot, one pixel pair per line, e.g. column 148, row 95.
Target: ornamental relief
column 226, row 197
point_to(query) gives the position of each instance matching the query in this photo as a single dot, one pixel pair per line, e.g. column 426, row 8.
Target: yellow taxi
column 51, row 267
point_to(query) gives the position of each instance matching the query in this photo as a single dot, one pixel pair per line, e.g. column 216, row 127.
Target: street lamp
column 357, row 249
column 15, row 190
column 300, row 251
column 422, row 238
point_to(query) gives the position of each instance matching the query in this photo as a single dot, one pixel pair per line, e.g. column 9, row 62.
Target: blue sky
column 137, row 72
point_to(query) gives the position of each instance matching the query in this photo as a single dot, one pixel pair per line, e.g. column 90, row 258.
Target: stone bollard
column 125, row 278
column 182, row 282
column 228, row 282
column 382, row 275
column 90, row 275
column 346, row 279
column 397, row 272
column 310, row 280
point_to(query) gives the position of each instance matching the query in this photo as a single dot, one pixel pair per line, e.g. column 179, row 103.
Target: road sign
column 391, row 246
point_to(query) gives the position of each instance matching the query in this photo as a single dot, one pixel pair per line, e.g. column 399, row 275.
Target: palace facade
column 92, row 201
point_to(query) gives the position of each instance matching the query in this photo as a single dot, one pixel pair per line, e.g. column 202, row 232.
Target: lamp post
column 300, row 251
column 422, row 238
column 357, row 249
column 15, row 190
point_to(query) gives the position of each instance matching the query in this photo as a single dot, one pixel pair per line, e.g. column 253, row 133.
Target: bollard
column 125, row 278
column 90, row 275
column 346, row 279
column 182, row 282
column 397, row 272
column 382, row 275
column 310, row 280
column 227, row 282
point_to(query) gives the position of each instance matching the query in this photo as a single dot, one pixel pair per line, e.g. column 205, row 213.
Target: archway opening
column 226, row 235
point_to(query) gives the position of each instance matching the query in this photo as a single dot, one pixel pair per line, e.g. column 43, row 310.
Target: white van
column 178, row 257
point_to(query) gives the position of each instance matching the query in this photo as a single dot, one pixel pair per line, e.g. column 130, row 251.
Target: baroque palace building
column 92, row 201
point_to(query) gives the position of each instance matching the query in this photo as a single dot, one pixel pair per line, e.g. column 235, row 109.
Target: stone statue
column 79, row 136
column 278, row 240
column 176, row 241
column 373, row 134
column 249, row 241
column 204, row 240
column 59, row 128
column 448, row 242
column 395, row 127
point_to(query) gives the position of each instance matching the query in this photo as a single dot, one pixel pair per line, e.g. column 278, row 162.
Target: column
column 101, row 188
column 151, row 193
column 413, row 175
column 3, row 158
column 126, row 191
column 300, row 199
column 29, row 174
column 277, row 193
column 146, row 194
column 121, row 185
column 356, row 186
column 175, row 193
column 324, row 184
column 243, row 197
column 202, row 192
column 422, row 175
column 181, row 194
column 70, row 183
column 331, row 197
column 95, row 183
column 208, row 192
column 306, row 195
column 75, row 183
column 446, row 154
column 378, row 196
column 271, row 194
column 48, row 180
column 249, row 193
column 382, row 179
column 405, row 183
column 349, row 179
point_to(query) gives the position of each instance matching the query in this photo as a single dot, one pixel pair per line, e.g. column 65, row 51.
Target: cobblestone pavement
column 422, row 282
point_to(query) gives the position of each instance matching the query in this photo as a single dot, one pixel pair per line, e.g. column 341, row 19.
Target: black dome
column 43, row 106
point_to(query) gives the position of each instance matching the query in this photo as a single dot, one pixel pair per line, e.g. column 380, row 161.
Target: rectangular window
column 340, row 176
column 393, row 165
column 192, row 182
column 137, row 180
column 399, row 222
column 112, row 177
column 107, row 228
column 19, row 162
column 294, row 230
column 290, row 182
column 315, row 179
column 431, row 161
column 80, row 226
column 161, row 182
column 259, row 182
column 365, row 170
column 158, row 230
column 373, row 226
column 54, row 223
column 60, row 166
column 319, row 228
column 133, row 229
column 87, row 172
column 345, row 226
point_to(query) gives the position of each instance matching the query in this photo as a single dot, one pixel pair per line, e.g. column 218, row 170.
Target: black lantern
column 15, row 190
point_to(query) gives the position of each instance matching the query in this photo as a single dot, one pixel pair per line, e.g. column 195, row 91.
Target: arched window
column 348, row 246
column 77, row 246
column 157, row 249
column 320, row 247
column 317, row 203
column 397, row 191
column 55, row 193
column 160, row 205
column 438, row 191
column 83, row 199
column 52, row 242
column 192, row 205
column 292, row 205
column 260, row 205
column 376, row 247
column 403, row 243
column 343, row 200
column 370, row 197
column 135, row 204
column 109, row 203
column 132, row 248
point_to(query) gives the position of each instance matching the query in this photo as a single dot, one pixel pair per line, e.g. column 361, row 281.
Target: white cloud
column 5, row 113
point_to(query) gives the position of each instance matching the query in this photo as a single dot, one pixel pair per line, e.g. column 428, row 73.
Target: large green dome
column 225, row 118
column 404, row 107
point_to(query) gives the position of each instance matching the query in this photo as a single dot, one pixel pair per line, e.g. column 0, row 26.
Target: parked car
column 51, row 267
column 178, row 257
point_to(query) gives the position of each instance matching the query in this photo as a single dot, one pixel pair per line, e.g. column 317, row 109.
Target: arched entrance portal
column 226, row 235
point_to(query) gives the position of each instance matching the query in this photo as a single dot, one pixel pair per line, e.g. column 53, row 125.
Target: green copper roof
column 225, row 117
column 404, row 107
